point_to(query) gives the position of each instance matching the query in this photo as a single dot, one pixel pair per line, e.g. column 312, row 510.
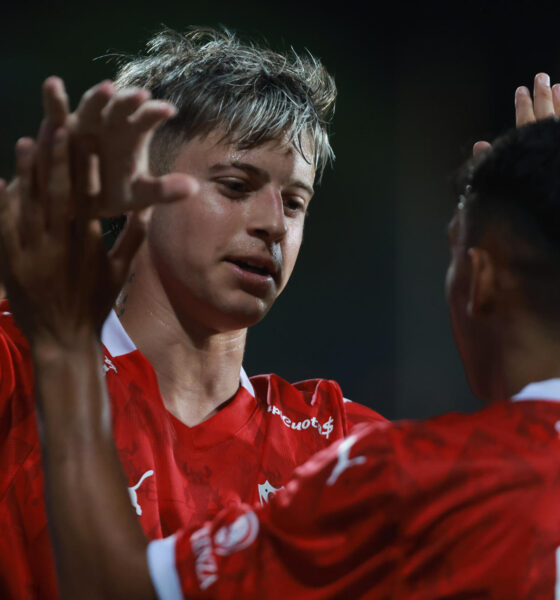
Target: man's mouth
column 253, row 268
column 260, row 264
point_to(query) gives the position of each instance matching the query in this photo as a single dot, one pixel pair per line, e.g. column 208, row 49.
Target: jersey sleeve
column 329, row 534
column 16, row 399
column 358, row 413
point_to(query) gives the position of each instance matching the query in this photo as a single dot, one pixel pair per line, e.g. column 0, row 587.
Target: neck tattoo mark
column 123, row 297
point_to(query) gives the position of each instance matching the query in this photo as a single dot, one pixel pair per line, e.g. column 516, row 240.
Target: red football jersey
column 461, row 506
column 177, row 475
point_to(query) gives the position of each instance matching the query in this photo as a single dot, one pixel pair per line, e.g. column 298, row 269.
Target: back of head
column 512, row 192
column 251, row 94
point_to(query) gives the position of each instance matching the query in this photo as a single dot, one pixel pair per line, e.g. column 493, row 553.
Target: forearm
column 99, row 545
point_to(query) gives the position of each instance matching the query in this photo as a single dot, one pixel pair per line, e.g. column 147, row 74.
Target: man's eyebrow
column 304, row 186
column 259, row 172
column 243, row 166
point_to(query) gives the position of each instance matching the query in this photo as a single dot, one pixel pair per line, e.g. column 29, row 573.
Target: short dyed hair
column 517, row 184
column 218, row 82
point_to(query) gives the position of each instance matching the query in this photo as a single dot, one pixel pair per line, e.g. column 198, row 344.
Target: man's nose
column 268, row 220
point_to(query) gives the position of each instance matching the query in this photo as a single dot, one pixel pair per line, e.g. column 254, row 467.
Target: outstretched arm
column 62, row 283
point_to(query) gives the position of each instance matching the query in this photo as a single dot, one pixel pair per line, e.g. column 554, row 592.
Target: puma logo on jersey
column 344, row 461
column 134, row 496
column 265, row 489
column 108, row 365
column 323, row 428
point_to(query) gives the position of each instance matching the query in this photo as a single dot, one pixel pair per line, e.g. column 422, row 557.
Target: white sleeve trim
column 163, row 573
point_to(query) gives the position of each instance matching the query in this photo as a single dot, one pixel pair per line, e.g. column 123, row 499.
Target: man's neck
column 198, row 370
column 531, row 354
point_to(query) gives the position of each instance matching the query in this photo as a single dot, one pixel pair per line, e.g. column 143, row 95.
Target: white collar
column 540, row 390
column 114, row 336
column 118, row 342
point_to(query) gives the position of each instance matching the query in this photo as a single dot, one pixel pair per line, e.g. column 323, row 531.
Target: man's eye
column 294, row 204
column 235, row 186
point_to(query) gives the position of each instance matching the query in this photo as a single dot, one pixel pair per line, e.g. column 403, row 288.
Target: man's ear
column 482, row 289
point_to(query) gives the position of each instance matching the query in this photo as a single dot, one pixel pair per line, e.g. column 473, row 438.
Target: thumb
column 148, row 190
column 128, row 242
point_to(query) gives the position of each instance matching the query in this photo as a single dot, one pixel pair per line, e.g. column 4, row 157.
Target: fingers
column 544, row 104
column 25, row 151
column 148, row 190
column 26, row 205
column 84, row 163
column 151, row 114
column 55, row 105
column 55, row 101
column 123, row 104
column 9, row 240
column 59, row 198
column 524, row 112
column 127, row 244
column 480, row 147
column 88, row 113
column 556, row 98
column 542, row 97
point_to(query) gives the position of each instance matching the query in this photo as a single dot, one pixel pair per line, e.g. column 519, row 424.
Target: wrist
column 47, row 349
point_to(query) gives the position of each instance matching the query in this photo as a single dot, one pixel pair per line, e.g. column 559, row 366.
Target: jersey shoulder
column 311, row 392
column 501, row 425
column 313, row 398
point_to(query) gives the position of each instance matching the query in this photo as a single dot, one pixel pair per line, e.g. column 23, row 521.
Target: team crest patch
column 265, row 489
column 108, row 365
column 237, row 536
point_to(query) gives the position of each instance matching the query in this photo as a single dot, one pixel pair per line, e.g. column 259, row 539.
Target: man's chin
column 243, row 315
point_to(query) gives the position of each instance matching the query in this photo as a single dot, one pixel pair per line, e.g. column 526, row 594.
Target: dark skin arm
column 100, row 548
column 62, row 283
column 60, row 307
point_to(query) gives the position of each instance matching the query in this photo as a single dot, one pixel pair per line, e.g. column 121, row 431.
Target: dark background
column 418, row 84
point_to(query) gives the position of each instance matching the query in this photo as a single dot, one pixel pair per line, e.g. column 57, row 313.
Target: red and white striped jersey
column 178, row 476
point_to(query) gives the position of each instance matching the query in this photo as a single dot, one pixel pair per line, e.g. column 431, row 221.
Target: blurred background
column 418, row 84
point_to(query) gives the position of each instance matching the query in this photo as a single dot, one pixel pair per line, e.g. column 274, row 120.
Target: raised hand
column 116, row 126
column 60, row 280
column 544, row 103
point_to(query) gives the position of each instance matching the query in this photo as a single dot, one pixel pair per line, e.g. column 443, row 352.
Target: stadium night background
column 418, row 84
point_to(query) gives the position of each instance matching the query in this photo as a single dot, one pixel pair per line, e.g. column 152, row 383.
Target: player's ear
column 482, row 289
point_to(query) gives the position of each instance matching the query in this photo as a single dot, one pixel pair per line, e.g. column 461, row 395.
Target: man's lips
column 265, row 266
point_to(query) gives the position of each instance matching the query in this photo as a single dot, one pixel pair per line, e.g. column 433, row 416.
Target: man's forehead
column 214, row 150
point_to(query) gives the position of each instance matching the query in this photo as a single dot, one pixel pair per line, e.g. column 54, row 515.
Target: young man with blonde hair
column 242, row 139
